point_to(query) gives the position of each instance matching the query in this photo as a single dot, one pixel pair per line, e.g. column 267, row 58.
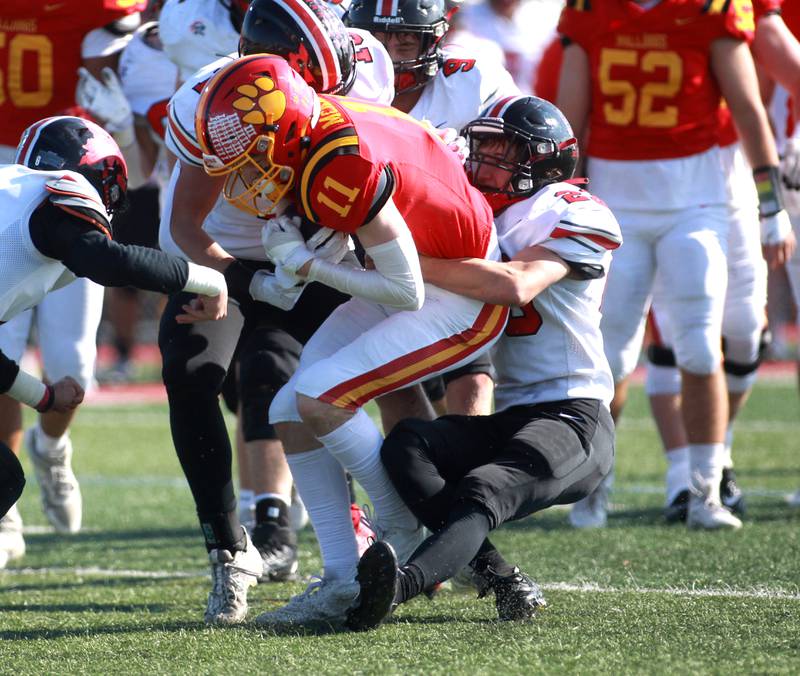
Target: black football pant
column 196, row 358
column 463, row 476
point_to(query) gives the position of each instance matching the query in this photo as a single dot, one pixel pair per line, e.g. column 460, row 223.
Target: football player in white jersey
column 448, row 87
column 199, row 224
column 59, row 198
column 551, row 440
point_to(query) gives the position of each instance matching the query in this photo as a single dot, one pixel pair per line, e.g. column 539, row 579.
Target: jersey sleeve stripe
column 416, row 365
column 318, row 160
column 587, row 230
column 606, row 241
column 183, row 140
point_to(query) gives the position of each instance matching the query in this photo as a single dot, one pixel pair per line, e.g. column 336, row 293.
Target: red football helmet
column 252, row 123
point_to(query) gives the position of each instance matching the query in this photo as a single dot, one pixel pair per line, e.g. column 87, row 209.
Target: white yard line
column 582, row 588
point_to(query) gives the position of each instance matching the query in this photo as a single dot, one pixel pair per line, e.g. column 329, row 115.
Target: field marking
column 582, row 588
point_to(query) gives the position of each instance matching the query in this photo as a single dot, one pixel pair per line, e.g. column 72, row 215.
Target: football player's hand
column 67, row 394
column 790, row 164
column 270, row 288
column 284, row 244
column 777, row 239
column 329, row 245
column 104, row 100
column 204, row 308
column 455, row 143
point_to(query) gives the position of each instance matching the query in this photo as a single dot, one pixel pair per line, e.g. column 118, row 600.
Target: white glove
column 776, row 228
column 455, row 143
column 269, row 288
column 790, row 164
column 328, row 244
column 284, row 244
column 105, row 100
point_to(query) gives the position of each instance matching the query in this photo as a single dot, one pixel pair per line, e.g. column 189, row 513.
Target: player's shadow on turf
column 120, row 538
column 83, row 583
column 85, row 607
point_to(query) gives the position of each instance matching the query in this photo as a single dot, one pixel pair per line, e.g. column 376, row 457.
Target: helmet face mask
column 309, row 35
column 424, row 19
column 538, row 147
column 252, row 123
column 75, row 144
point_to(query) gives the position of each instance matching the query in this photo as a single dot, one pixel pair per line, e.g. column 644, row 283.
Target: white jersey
column 196, row 32
column 462, row 89
column 148, row 77
column 523, row 38
column 239, row 233
column 27, row 274
column 552, row 349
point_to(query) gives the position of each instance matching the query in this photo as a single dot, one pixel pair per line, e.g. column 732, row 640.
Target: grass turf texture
column 627, row 599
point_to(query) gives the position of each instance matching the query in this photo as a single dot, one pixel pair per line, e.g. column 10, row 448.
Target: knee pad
column 741, row 375
column 12, row 479
column 262, row 374
column 284, row 405
column 698, row 354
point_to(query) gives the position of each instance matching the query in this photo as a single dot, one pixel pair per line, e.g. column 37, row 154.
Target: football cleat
column 377, row 579
column 365, row 535
column 278, row 549
column 323, row 601
column 592, row 511
column 677, row 510
column 298, row 516
column 12, row 544
column 516, row 596
column 730, row 494
column 232, row 574
column 61, row 495
column 706, row 510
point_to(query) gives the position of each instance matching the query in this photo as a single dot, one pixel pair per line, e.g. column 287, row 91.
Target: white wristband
column 205, row 281
column 27, row 389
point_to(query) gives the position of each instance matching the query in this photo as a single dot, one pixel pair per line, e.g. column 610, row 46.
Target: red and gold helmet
column 252, row 123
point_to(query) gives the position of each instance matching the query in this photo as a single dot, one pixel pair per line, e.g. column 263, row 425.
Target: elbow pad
column 396, row 280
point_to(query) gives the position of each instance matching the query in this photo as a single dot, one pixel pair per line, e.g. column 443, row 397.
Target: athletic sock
column 705, row 463
column 48, row 445
column 489, row 558
column 677, row 478
column 321, row 483
column 223, row 531
column 357, row 445
column 727, row 458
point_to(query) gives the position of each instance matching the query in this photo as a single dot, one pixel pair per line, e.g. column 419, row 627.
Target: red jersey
column 40, row 51
column 359, row 148
column 653, row 93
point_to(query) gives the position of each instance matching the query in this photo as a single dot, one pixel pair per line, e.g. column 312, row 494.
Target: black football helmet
column 309, row 35
column 72, row 143
column 425, row 18
column 236, row 9
column 543, row 148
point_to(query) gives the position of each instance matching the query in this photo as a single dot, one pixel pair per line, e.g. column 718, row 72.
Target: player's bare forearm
column 735, row 72
column 514, row 283
column 575, row 88
column 777, row 51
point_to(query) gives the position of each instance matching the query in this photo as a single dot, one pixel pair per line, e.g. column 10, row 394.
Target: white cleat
column 793, row 499
column 705, row 509
column 12, row 544
column 232, row 574
column 592, row 511
column 61, row 495
column 322, row 601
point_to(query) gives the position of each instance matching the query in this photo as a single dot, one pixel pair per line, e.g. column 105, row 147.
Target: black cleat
column 730, row 494
column 516, row 596
column 278, row 548
column 377, row 577
column 677, row 510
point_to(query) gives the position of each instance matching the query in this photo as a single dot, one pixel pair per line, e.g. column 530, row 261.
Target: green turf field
column 127, row 594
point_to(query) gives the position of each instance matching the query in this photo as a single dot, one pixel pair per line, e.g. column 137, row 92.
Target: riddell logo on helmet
column 387, row 19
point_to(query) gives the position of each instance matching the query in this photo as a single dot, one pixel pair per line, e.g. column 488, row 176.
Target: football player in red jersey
column 777, row 55
column 41, row 46
column 370, row 171
column 645, row 80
